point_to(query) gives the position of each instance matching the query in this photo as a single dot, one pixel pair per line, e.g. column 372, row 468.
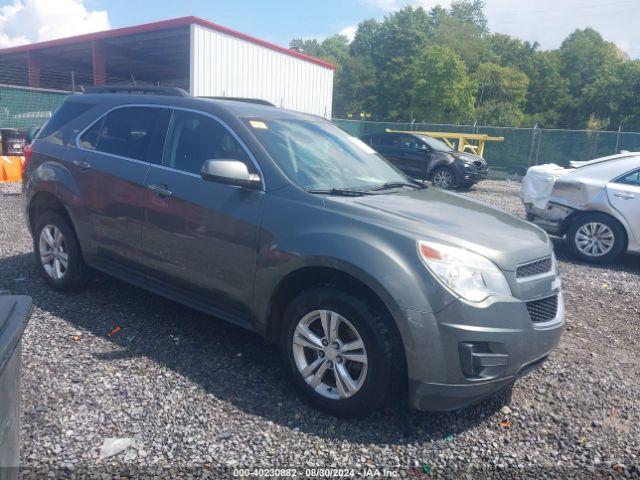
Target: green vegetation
column 444, row 66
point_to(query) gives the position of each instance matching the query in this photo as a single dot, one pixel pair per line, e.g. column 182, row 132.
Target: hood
column 434, row 214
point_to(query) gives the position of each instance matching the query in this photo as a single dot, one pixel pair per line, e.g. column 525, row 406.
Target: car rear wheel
column 57, row 253
column 596, row 238
column 339, row 351
column 443, row 177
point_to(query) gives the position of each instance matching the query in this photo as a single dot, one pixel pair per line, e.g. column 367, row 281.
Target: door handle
column 624, row 196
column 82, row 164
column 160, row 190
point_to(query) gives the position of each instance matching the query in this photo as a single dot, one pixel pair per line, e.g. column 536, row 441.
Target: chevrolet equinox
column 373, row 285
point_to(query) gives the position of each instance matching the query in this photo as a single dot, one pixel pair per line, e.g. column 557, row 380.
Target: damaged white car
column 594, row 204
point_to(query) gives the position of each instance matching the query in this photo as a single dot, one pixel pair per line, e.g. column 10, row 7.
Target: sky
column 546, row 21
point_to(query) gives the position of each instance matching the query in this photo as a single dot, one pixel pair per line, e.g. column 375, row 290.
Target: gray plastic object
column 14, row 314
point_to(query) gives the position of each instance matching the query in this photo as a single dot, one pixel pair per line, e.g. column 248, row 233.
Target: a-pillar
column 99, row 63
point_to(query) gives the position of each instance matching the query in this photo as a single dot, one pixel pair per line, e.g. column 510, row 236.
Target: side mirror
column 230, row 172
column 422, row 147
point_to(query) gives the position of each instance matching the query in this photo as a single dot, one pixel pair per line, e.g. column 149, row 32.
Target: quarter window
column 632, row 178
column 127, row 132
column 195, row 138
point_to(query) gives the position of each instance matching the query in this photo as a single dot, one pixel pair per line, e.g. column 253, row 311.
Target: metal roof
column 162, row 25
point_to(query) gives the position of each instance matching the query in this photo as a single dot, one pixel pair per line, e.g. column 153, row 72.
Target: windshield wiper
column 338, row 191
column 389, row 185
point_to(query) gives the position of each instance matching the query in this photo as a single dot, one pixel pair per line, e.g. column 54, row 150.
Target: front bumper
column 467, row 175
column 499, row 338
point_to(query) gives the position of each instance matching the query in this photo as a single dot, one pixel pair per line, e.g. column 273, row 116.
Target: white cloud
column 349, row 32
column 27, row 21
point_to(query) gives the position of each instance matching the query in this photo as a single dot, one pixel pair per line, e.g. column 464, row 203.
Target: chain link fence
column 522, row 147
column 27, row 108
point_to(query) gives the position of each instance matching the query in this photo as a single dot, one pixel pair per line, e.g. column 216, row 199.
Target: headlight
column 467, row 274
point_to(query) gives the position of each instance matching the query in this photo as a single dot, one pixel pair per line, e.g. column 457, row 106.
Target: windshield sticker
column 258, row 124
column 362, row 145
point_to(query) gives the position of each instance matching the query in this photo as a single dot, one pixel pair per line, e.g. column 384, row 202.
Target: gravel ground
column 199, row 397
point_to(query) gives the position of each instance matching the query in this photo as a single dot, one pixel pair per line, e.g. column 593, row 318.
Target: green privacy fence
column 27, row 108
column 522, row 147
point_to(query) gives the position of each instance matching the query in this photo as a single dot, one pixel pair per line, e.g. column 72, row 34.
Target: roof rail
column 257, row 101
column 168, row 91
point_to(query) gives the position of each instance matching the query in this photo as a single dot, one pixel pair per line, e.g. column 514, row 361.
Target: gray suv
column 373, row 285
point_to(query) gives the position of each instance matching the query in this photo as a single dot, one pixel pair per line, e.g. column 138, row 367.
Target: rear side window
column 129, row 132
column 390, row 140
column 65, row 113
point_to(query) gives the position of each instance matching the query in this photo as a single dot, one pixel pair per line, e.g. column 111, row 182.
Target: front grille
column 532, row 269
column 543, row 310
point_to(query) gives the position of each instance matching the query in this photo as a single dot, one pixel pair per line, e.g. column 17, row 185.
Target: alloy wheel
column 53, row 252
column 330, row 354
column 443, row 178
column 594, row 239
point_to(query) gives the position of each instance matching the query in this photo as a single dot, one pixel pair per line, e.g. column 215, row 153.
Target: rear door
column 111, row 164
column 389, row 147
column 199, row 236
column 624, row 196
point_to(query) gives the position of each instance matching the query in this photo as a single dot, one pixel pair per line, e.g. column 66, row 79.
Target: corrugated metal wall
column 223, row 65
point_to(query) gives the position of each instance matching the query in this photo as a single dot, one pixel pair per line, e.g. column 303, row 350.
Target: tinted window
column 65, row 113
column 632, row 178
column 390, row 141
column 410, row 142
column 89, row 138
column 128, row 132
column 194, row 138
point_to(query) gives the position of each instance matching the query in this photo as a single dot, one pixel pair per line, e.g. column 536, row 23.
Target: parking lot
column 197, row 395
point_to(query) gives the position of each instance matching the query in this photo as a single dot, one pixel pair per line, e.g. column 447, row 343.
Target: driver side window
column 194, row 138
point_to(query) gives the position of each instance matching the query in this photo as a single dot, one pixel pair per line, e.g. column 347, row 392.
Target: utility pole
column 73, row 82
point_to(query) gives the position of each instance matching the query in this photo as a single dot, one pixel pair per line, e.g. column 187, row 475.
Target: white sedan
column 594, row 204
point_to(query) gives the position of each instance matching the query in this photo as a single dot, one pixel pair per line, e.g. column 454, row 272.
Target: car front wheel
column 339, row 351
column 596, row 238
column 443, row 177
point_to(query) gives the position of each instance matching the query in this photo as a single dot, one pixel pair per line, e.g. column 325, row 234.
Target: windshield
column 436, row 144
column 320, row 156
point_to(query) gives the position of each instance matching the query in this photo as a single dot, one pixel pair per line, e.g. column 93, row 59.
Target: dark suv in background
column 282, row 223
column 427, row 158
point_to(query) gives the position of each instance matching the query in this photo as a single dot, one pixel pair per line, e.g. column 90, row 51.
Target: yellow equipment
column 464, row 139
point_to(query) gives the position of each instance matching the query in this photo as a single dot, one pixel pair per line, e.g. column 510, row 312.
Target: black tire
column 385, row 362
column 617, row 230
column 76, row 272
column 446, row 172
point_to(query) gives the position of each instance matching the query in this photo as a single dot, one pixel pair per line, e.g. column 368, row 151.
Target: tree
column 470, row 12
column 511, row 52
column 442, row 89
column 615, row 98
column 548, row 93
column 400, row 37
column 502, row 94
